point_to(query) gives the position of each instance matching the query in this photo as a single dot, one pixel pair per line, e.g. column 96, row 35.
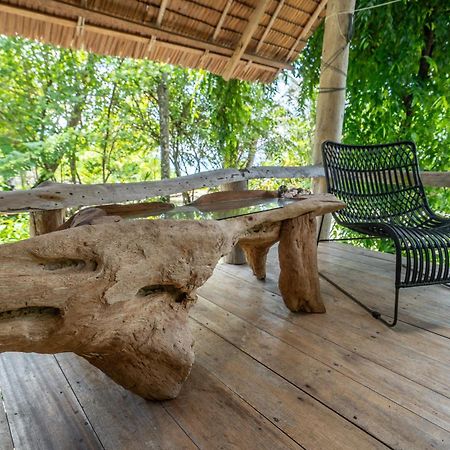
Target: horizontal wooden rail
column 435, row 179
column 51, row 196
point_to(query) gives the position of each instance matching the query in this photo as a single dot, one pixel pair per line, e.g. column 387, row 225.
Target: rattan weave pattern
column 385, row 197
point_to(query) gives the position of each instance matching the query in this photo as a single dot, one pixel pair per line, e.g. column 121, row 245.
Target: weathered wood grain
column 57, row 195
column 435, row 179
column 378, row 291
column 299, row 277
column 118, row 294
column 309, row 422
column 215, row 417
column 236, row 256
column 121, row 419
column 256, row 249
column 392, row 424
column 407, row 366
column 248, row 303
column 6, row 441
column 349, row 326
column 42, row 222
column 43, row 412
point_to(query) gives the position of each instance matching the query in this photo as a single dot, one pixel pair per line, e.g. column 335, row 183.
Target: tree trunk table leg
column 237, row 255
column 299, row 275
column 256, row 256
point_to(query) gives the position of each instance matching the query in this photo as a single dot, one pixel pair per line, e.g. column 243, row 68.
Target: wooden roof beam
column 270, row 24
column 221, row 20
column 109, row 25
column 162, row 10
column 250, row 29
column 307, row 27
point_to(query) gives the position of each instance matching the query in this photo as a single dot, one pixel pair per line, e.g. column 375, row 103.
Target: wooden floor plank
column 406, row 350
column 243, row 303
column 427, row 307
column 43, row 413
column 6, row 442
column 350, row 316
column 414, row 303
column 217, row 418
column 339, row 247
column 307, row 421
column 264, row 378
column 121, row 419
column 391, row 423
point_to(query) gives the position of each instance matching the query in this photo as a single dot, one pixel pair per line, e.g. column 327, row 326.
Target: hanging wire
column 364, row 9
column 329, row 63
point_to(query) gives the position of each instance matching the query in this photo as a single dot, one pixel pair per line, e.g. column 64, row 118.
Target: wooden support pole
column 236, row 256
column 43, row 222
column 333, row 77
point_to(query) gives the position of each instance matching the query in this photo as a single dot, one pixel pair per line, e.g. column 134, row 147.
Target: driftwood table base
column 118, row 294
column 297, row 254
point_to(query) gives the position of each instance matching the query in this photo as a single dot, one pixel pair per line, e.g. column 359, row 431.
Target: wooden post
column 331, row 99
column 43, row 222
column 236, row 256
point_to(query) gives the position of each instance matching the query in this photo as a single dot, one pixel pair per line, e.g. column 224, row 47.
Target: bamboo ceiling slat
column 190, row 33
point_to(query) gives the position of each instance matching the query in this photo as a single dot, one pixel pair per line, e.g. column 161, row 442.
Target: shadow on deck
column 264, row 378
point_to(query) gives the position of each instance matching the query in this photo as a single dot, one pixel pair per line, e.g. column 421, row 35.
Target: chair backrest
column 379, row 183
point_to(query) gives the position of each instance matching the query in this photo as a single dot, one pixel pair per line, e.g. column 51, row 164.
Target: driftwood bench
column 118, row 292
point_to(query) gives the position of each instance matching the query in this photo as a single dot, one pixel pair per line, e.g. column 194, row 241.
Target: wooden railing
column 56, row 196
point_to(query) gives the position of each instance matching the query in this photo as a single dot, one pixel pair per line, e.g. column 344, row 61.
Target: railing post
column 236, row 256
column 43, row 222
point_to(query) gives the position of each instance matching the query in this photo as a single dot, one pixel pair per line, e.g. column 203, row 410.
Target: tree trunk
column 251, row 154
column 236, row 256
column 331, row 99
column 424, row 67
column 164, row 137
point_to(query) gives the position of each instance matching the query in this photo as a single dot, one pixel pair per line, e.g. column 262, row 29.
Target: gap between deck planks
column 196, row 411
column 264, row 378
column 207, row 414
column 408, row 351
column 418, row 399
column 121, row 419
column 301, row 416
column 6, row 442
column 42, row 411
column 387, row 421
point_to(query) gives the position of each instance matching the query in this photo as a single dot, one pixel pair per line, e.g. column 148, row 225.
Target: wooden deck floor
column 264, row 378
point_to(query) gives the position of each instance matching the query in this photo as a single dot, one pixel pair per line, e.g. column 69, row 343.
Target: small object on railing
column 285, row 192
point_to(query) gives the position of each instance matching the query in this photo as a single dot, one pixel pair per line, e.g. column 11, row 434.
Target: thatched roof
column 246, row 39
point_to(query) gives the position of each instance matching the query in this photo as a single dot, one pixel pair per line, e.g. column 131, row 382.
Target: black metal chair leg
column 377, row 315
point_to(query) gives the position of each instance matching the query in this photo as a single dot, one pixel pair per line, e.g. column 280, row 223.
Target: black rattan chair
column 385, row 198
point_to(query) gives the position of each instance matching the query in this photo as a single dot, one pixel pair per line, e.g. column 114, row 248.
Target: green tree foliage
column 75, row 117
column 398, row 80
column 398, row 77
